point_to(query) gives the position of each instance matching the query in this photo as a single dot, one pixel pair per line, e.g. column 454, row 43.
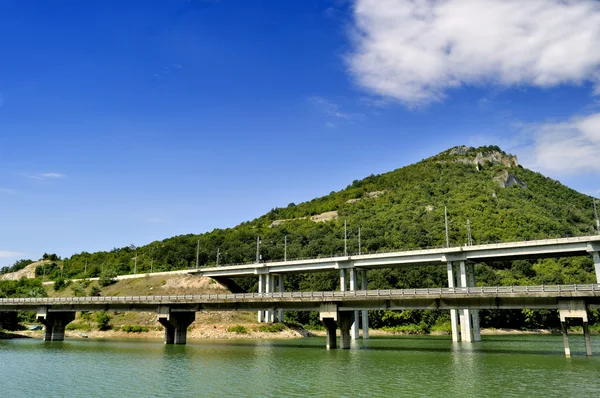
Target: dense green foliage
column 19, row 288
column 134, row 329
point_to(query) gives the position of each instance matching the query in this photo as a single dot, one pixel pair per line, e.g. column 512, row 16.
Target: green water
column 383, row 367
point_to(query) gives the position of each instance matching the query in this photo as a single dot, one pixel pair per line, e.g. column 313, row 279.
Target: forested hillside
column 400, row 209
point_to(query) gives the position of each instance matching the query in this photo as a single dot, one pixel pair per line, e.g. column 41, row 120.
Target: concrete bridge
column 336, row 309
column 458, row 260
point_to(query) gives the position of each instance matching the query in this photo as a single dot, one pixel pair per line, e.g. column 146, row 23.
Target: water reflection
column 403, row 366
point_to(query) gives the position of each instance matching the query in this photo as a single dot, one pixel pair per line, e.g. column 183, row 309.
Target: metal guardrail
column 435, row 292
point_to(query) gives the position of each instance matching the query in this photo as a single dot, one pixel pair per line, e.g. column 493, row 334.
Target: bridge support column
column 342, row 280
column 54, row 323
column 269, row 282
column 175, row 324
column 466, row 332
column 281, row 284
column 353, row 285
column 333, row 319
column 453, row 313
column 330, row 326
column 566, row 339
column 574, row 309
column 365, row 313
column 272, row 312
column 596, row 256
column 345, row 323
column 261, row 289
column 474, row 313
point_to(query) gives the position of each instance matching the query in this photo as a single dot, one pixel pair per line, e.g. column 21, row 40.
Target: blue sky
column 127, row 122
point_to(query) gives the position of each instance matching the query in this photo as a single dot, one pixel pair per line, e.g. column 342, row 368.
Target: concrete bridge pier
column 353, row 286
column 330, row 326
column 281, row 286
column 333, row 319
column 261, row 289
column 574, row 309
column 453, row 313
column 596, row 256
column 474, row 313
column 175, row 324
column 365, row 313
column 466, row 331
column 54, row 323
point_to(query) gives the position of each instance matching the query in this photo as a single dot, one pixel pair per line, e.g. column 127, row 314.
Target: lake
column 516, row 365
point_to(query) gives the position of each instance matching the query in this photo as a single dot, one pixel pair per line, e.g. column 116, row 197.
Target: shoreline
column 221, row 333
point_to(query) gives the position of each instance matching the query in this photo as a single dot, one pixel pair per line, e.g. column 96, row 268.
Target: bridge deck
column 561, row 247
column 431, row 298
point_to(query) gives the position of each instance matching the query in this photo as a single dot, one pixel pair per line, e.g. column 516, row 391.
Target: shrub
column 107, row 278
column 271, row 328
column 95, row 291
column 134, row 328
column 59, row 284
column 102, row 319
column 78, row 326
column 239, row 329
column 78, row 289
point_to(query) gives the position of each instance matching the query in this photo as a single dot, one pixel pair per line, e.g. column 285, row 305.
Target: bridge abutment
column 175, row 324
column 54, row 323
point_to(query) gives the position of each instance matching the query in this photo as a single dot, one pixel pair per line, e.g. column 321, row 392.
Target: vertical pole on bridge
column 353, row 283
column 453, row 313
column 261, row 288
column 465, row 316
column 365, row 313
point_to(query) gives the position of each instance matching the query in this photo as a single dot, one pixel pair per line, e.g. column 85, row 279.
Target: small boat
column 36, row 327
column 85, row 336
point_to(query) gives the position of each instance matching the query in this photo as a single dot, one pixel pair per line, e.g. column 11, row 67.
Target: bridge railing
column 472, row 291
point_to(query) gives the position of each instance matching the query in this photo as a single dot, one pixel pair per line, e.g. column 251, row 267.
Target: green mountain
column 401, row 209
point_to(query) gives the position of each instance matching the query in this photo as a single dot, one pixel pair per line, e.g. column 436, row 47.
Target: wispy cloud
column 44, row 176
column 565, row 147
column 9, row 191
column 332, row 109
column 9, row 254
column 414, row 51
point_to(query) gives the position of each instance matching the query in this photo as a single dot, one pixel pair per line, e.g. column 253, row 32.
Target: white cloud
column 565, row 148
column 413, row 51
column 8, row 254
